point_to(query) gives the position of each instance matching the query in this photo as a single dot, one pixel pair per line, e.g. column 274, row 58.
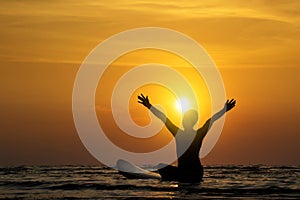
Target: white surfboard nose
column 130, row 170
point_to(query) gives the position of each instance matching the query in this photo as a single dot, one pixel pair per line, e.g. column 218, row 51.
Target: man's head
column 190, row 118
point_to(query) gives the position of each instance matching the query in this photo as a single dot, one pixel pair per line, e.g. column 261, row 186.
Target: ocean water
column 99, row 182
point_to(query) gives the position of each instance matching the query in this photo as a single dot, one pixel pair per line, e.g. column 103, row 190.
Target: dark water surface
column 98, row 182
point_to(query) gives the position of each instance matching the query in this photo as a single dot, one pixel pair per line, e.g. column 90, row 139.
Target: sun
column 182, row 104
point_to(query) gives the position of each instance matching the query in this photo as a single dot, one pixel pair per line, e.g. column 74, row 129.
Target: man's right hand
column 229, row 104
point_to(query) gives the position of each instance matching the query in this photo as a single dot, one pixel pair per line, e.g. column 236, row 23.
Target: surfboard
column 132, row 171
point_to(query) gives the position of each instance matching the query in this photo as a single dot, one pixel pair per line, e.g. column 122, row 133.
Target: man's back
column 188, row 144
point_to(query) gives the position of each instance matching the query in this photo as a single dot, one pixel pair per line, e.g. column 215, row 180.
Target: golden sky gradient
column 255, row 44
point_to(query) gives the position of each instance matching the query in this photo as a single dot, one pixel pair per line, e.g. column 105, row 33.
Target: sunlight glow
column 182, row 104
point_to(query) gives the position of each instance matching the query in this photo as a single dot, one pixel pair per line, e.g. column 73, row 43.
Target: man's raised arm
column 228, row 106
column 145, row 101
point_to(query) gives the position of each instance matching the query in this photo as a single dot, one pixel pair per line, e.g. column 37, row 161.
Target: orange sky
column 255, row 45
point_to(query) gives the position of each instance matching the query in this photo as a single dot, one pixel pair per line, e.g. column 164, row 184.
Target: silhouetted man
column 188, row 142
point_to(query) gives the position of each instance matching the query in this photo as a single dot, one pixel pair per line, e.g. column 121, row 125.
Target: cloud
column 233, row 32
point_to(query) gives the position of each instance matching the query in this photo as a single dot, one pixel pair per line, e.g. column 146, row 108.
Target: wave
column 184, row 187
column 219, row 181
